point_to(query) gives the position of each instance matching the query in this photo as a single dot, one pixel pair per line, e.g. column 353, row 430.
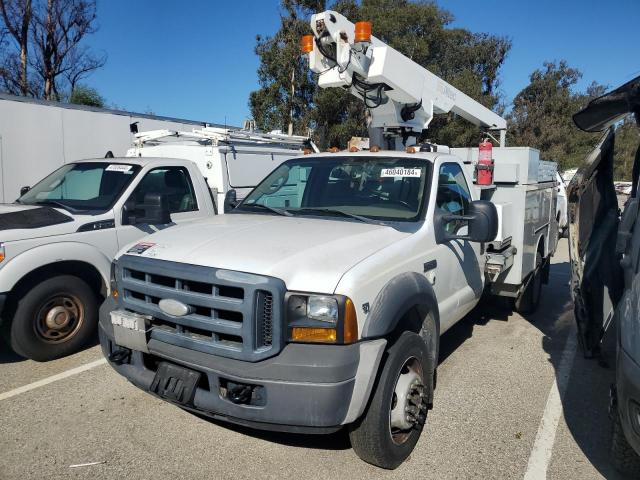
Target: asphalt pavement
column 515, row 399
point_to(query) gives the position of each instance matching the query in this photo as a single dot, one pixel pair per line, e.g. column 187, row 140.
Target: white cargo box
column 513, row 165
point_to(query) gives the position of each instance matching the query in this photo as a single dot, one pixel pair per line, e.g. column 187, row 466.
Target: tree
column 470, row 61
column 542, row 115
column 16, row 18
column 48, row 58
column 626, row 143
column 84, row 95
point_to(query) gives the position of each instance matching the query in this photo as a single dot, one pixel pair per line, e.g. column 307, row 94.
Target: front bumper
column 628, row 394
column 305, row 388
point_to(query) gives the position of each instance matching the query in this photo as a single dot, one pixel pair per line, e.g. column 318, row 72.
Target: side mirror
column 153, row 211
column 481, row 223
column 230, row 201
column 24, row 190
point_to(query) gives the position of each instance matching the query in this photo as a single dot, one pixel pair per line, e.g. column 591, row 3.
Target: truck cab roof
column 141, row 161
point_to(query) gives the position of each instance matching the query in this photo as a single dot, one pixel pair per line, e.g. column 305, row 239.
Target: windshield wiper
column 331, row 211
column 56, row 204
column 279, row 211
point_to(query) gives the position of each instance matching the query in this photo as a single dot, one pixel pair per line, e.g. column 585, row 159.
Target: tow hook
column 120, row 356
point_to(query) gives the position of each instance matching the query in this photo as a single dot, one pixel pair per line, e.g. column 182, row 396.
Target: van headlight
column 321, row 318
column 2, row 255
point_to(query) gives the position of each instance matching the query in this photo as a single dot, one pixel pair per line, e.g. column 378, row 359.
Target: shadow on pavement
column 586, row 399
column 9, row 356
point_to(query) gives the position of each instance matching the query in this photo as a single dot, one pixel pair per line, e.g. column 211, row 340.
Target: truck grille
column 231, row 314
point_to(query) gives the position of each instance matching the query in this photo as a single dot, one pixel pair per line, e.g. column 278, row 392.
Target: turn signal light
column 322, row 335
column 363, row 32
column 306, row 43
column 374, row 149
column 334, row 150
column 307, row 151
column 411, row 149
column 350, row 334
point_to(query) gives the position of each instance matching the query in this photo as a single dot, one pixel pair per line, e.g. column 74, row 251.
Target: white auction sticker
column 401, row 172
column 118, row 168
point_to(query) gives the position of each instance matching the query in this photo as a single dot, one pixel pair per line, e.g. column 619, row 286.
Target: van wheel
column 623, row 457
column 391, row 426
column 57, row 317
column 527, row 302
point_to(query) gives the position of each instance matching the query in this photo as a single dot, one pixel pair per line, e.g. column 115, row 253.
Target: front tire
column 623, row 457
column 392, row 423
column 55, row 318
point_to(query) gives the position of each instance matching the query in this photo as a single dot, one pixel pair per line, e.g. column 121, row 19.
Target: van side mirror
column 230, row 201
column 153, row 211
column 24, row 189
column 481, row 222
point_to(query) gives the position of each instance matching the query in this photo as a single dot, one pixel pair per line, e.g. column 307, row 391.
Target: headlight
column 1, row 251
column 321, row 318
column 323, row 309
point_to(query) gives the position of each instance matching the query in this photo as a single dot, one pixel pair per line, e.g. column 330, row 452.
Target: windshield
column 380, row 188
column 82, row 186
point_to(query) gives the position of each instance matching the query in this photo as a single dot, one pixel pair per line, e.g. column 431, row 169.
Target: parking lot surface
column 515, row 399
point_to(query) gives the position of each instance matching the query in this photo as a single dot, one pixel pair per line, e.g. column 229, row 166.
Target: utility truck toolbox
column 318, row 302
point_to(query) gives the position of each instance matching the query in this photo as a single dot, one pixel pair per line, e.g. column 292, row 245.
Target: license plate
column 130, row 330
column 175, row 383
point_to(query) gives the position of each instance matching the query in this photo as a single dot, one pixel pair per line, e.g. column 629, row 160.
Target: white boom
column 401, row 95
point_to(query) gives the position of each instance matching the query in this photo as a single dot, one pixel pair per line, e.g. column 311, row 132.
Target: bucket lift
column 401, row 96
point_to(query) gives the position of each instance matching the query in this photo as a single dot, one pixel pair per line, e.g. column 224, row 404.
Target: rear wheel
column 55, row 318
column 529, row 299
column 393, row 421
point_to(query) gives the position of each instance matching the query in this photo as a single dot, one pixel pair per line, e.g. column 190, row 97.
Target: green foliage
column 469, row 61
column 542, row 115
column 626, row 144
column 84, row 95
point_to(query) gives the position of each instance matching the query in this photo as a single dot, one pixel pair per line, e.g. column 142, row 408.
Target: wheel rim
column 59, row 318
column 408, row 407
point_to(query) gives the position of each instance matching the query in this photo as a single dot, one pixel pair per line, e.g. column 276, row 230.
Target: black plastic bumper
column 3, row 300
column 628, row 396
column 305, row 388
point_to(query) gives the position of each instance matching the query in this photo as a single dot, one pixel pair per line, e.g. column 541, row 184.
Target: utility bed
column 524, row 192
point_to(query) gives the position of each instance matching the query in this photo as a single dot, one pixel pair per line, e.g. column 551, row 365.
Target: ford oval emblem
column 174, row 307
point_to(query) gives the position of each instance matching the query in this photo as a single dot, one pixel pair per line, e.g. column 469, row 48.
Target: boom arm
column 401, row 95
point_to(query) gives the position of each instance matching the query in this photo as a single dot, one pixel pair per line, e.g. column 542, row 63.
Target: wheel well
column 413, row 320
column 82, row 270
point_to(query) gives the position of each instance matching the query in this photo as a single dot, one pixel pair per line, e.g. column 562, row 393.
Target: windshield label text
column 400, row 172
column 118, row 168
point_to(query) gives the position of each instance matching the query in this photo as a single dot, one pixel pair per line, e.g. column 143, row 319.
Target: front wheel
column 391, row 426
column 55, row 318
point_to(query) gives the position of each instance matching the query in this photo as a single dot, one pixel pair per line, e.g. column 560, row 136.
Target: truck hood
column 20, row 222
column 308, row 254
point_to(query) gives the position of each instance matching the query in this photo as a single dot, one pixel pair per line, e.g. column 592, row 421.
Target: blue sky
column 194, row 59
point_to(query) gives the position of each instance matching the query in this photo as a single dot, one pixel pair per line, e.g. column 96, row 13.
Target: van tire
column 623, row 457
column 371, row 436
column 54, row 318
column 529, row 299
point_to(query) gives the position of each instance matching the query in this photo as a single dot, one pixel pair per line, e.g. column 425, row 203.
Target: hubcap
column 408, row 405
column 59, row 318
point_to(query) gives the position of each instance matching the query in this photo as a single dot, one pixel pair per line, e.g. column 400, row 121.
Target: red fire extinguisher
column 484, row 168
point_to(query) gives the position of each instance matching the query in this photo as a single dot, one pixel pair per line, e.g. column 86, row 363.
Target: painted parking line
column 52, row 379
column 545, row 438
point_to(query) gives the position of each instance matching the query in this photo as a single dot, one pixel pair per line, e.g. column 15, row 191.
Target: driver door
column 173, row 182
column 460, row 271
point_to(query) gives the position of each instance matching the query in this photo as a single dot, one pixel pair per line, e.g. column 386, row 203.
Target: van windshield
column 82, row 186
column 363, row 187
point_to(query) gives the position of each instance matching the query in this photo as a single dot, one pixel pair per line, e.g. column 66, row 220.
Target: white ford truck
column 57, row 241
column 318, row 302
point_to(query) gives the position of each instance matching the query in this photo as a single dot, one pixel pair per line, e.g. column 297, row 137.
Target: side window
column 173, row 182
column 453, row 194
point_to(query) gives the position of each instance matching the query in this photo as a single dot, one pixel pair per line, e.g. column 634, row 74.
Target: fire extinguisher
column 484, row 167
